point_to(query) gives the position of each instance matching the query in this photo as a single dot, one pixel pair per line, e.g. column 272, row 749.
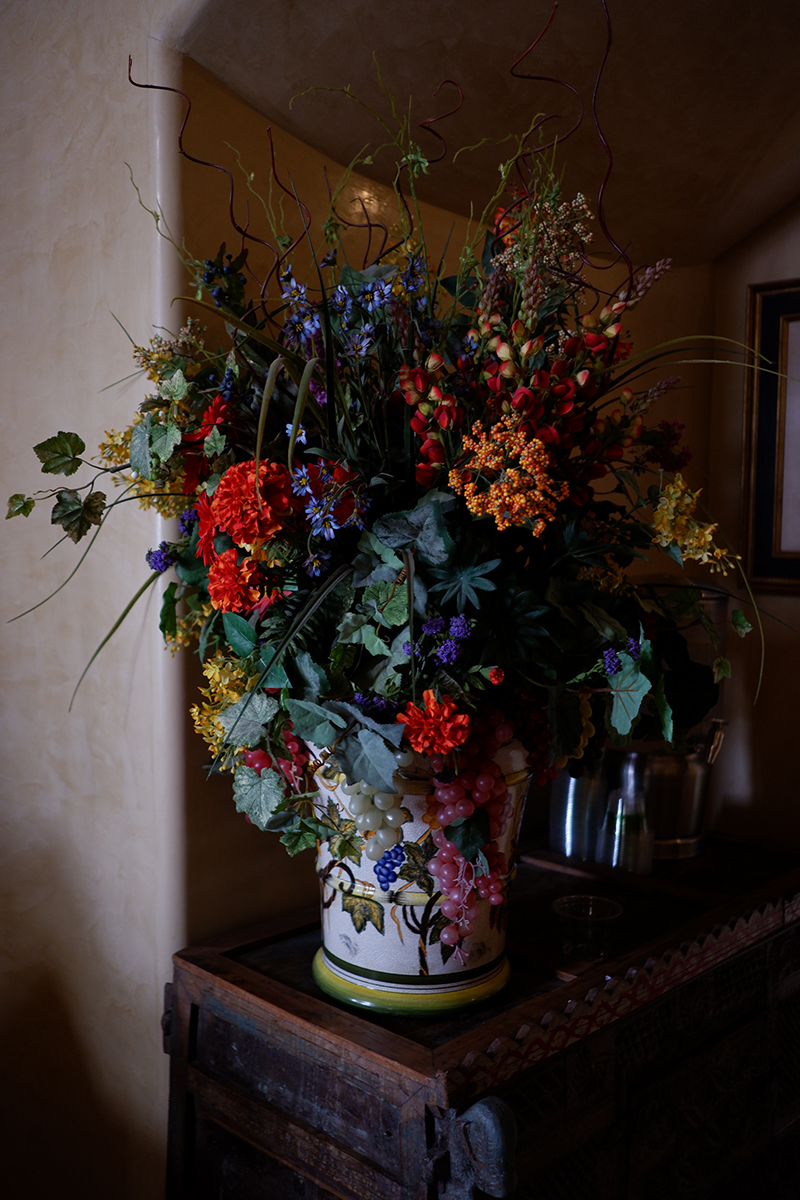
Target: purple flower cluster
column 376, row 706
column 161, row 559
column 449, row 652
column 611, row 662
column 634, row 649
column 460, row 627
column 187, row 521
column 433, row 626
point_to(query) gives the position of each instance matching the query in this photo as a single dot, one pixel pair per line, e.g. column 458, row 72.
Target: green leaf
column 240, row 634
column 722, row 669
column 362, row 912
column 367, row 758
column 355, row 628
column 422, row 528
column 168, row 621
column 258, row 796
column 77, row 516
column 663, row 709
column 461, row 580
column 215, row 442
column 606, row 625
column 164, row 439
column 60, row 455
column 276, row 676
column 470, row 834
column 740, row 621
column 314, row 722
column 391, row 732
column 141, row 461
column 20, row 505
column 244, row 721
column 629, row 687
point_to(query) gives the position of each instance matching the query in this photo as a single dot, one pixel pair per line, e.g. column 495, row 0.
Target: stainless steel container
column 576, row 808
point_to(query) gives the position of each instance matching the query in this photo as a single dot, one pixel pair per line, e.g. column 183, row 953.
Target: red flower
column 497, row 675
column 232, row 586
column 439, row 729
column 236, row 505
column 207, row 528
column 214, row 415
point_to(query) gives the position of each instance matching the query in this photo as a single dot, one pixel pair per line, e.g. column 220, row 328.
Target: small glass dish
column 586, row 925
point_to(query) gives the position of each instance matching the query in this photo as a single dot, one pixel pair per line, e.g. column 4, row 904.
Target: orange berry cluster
column 522, row 494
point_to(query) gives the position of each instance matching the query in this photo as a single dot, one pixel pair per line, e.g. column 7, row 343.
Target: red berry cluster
column 291, row 768
column 478, row 783
column 436, row 411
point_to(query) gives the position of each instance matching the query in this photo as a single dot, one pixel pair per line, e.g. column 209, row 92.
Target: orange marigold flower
column 236, row 506
column 497, row 675
column 438, row 729
column 232, row 586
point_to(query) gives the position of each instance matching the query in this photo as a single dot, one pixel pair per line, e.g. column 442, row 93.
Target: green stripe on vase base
column 428, row 996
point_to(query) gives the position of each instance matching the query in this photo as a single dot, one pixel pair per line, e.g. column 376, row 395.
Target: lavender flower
column 161, row 559
column 407, row 650
column 301, row 484
column 611, row 662
column 187, row 521
column 460, row 627
column 634, row 649
column 301, row 438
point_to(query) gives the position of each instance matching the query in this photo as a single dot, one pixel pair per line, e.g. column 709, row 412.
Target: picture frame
column 771, row 461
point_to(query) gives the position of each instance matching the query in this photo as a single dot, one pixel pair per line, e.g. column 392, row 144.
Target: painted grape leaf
column 60, row 455
column 435, row 936
column 415, row 869
column 363, row 911
column 20, row 505
column 258, row 796
column 628, row 687
column 77, row 516
column 244, row 721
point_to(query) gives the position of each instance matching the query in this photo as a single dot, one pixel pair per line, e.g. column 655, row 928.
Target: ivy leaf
column 740, row 621
column 314, row 677
column 663, row 709
column 164, row 439
column 314, row 722
column 276, row 676
column 722, row 669
column 463, row 581
column 141, row 461
column 247, row 718
column 414, row 869
column 77, row 516
column 470, row 834
column 20, row 505
column 366, row 757
column 422, row 528
column 258, row 796
column 215, row 443
column 355, row 628
column 240, row 634
column 60, row 455
column 389, row 601
column 299, row 837
column 363, row 911
column 392, row 732
column 175, row 389
column 629, row 687
column 168, row 620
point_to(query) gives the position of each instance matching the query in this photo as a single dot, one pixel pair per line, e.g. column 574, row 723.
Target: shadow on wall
column 59, row 1133
column 236, row 875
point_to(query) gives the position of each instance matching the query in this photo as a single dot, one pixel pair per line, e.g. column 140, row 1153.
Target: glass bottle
column 625, row 838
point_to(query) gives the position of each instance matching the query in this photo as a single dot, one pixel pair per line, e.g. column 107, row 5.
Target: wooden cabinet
column 671, row 1070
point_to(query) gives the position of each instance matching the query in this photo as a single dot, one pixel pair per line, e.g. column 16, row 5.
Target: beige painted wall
column 755, row 793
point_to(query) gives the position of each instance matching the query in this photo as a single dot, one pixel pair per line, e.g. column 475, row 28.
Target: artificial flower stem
column 299, row 407
column 269, row 388
column 156, row 575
